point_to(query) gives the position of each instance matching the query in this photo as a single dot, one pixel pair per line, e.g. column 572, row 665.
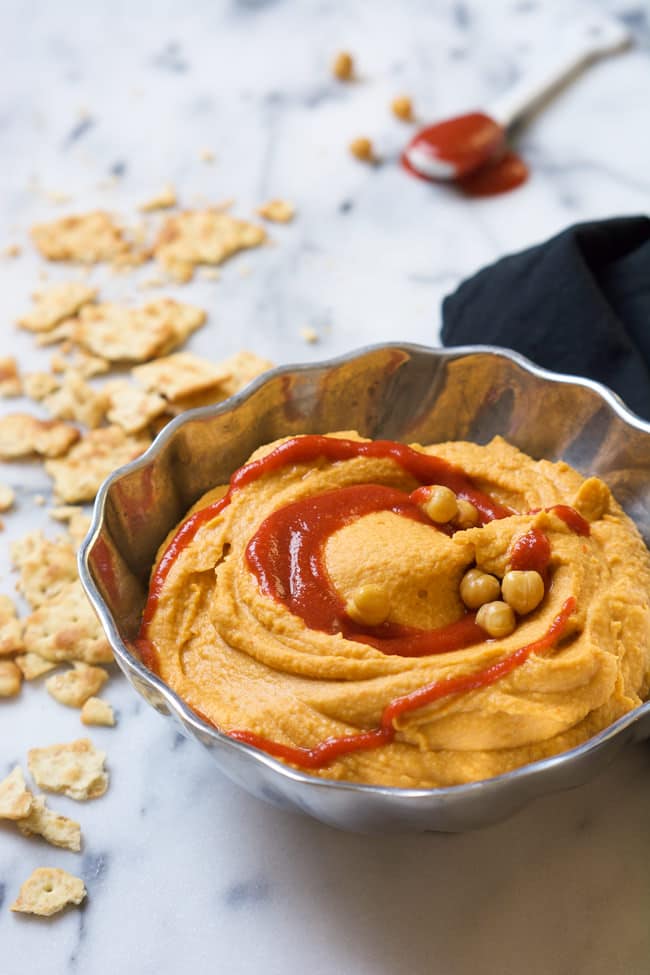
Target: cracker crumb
column 52, row 827
column 15, row 797
column 64, row 627
column 78, row 475
column 32, row 665
column 55, row 304
column 343, row 66
column 40, row 500
column 76, row 769
column 208, row 236
column 155, row 281
column 12, row 250
column 277, row 211
column 11, row 628
column 362, row 149
column 130, row 407
column 22, row 434
column 97, row 712
column 402, row 108
column 47, row 891
column 45, row 565
column 180, row 375
column 76, row 400
column 161, row 201
column 206, row 155
column 38, row 385
column 210, row 274
column 7, row 497
column 78, row 521
column 10, row 381
column 10, row 679
column 121, row 334
column 86, row 237
column 309, row 334
column 57, row 196
column 73, row 687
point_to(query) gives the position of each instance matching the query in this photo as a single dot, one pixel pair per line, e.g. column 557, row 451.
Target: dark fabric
column 579, row 303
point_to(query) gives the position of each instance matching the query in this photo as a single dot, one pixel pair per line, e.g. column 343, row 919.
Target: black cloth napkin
column 579, row 303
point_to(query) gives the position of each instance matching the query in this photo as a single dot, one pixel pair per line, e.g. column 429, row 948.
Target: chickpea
column 362, row 149
column 368, row 605
column 402, row 108
column 478, row 588
column 441, row 505
column 523, row 591
column 343, row 66
column 497, row 619
column 467, row 516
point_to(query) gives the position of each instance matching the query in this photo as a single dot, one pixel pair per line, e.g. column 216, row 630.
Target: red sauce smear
column 464, row 143
column 499, row 176
column 531, row 552
column 571, row 518
column 423, row 467
column 286, row 554
column 473, row 146
column 332, row 748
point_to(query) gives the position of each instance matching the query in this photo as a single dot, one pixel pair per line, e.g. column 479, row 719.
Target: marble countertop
column 106, row 102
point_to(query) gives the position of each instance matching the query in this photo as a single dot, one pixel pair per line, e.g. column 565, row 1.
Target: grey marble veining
column 185, row 872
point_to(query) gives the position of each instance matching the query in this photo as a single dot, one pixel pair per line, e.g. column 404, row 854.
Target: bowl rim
column 180, row 709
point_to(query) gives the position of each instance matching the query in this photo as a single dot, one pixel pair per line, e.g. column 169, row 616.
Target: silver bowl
column 400, row 392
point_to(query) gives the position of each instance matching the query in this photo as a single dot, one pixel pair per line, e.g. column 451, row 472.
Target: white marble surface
column 184, row 871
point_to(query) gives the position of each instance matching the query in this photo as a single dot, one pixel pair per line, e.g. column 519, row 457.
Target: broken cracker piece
column 75, row 768
column 46, row 566
column 277, row 211
column 10, row 679
column 130, row 407
column 179, row 375
column 66, row 628
column 11, row 628
column 78, row 521
column 7, row 497
column 122, row 334
column 161, row 201
column 97, row 712
column 10, row 381
column 88, row 365
column 22, row 434
column 243, row 367
column 78, row 475
column 207, row 236
column 38, row 385
column 32, row 665
column 15, row 797
column 53, row 827
column 73, row 687
column 55, row 304
column 76, row 400
column 86, row 237
column 47, row 891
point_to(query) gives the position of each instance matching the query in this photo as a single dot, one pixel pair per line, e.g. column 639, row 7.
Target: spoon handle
column 595, row 37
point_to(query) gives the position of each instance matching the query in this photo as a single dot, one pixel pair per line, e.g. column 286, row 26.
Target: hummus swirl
column 237, row 655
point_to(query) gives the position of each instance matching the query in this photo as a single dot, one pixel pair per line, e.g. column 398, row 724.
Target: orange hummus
column 246, row 660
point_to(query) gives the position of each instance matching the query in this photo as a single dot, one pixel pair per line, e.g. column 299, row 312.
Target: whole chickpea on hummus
column 403, row 616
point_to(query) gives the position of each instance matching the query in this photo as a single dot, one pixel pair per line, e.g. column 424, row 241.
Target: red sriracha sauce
column 468, row 149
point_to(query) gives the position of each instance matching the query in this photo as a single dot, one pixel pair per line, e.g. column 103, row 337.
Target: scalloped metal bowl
column 401, row 392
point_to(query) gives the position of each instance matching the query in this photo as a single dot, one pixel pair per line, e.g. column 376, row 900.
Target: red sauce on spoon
column 469, row 150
